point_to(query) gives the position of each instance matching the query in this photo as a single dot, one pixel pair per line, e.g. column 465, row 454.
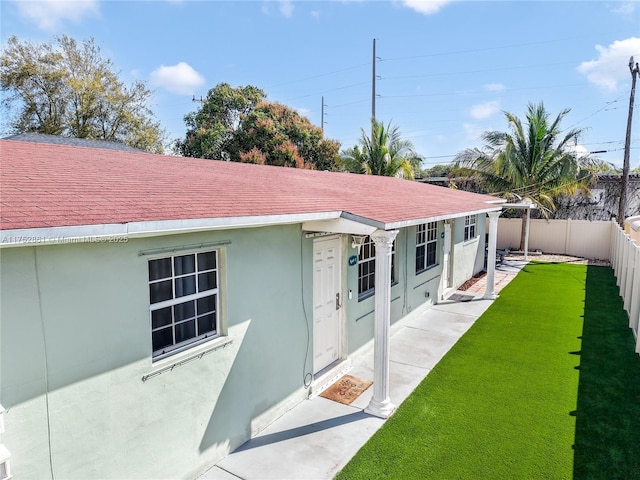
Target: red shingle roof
column 45, row 185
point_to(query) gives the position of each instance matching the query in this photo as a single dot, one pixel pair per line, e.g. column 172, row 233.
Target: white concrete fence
column 601, row 240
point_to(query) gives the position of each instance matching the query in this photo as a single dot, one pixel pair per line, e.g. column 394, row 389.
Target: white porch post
column 526, row 235
column 380, row 405
column 491, row 255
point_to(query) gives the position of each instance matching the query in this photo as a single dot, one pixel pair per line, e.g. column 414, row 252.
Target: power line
column 476, row 50
column 430, row 157
column 466, row 72
column 437, row 54
column 591, row 115
column 326, row 91
column 320, row 75
column 362, row 100
column 480, row 91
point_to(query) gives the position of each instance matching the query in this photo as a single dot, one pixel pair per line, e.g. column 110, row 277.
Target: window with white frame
column 469, row 227
column 184, row 300
column 367, row 267
column 426, row 242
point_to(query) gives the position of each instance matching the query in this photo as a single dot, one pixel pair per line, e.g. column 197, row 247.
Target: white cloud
column 612, row 64
column 286, row 8
column 180, row 78
column 576, row 148
column 474, row 132
column 484, row 110
column 579, row 150
column 426, row 7
column 49, row 14
column 495, row 87
column 315, row 14
column 625, row 8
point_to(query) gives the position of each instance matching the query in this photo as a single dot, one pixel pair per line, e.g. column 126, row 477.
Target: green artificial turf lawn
column 502, row 403
column 607, row 439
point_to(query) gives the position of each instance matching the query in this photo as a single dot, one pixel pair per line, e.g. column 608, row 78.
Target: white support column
column 491, row 255
column 526, row 235
column 380, row 405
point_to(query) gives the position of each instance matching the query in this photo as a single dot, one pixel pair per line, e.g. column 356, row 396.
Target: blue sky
column 447, row 69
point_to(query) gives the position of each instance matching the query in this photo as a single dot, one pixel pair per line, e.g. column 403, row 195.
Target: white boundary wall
column 602, row 240
column 580, row 238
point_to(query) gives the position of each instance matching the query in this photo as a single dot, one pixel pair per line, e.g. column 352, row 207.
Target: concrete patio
column 315, row 439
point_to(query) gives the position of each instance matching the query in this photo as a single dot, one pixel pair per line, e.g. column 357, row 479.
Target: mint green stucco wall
column 412, row 290
column 467, row 256
column 104, row 421
column 87, row 305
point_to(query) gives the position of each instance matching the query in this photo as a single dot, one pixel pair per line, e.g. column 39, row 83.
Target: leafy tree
column 211, row 129
column 438, row 170
column 239, row 125
column 384, row 152
column 63, row 88
column 607, row 169
column 284, row 138
column 532, row 162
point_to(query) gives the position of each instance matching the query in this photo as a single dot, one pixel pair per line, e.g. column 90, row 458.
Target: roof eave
column 438, row 218
column 120, row 232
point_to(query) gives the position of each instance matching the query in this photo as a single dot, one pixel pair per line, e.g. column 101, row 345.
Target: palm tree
column 383, row 153
column 536, row 162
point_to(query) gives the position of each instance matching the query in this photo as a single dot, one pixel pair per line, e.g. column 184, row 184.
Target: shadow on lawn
column 608, row 414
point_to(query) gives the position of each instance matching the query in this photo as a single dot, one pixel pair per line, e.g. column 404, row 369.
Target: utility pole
column 627, row 144
column 322, row 114
column 373, row 89
column 373, row 83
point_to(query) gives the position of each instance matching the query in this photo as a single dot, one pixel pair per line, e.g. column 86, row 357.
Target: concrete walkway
column 318, row 437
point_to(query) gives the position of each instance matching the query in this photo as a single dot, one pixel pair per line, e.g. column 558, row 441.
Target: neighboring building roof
column 609, row 178
column 76, row 142
column 44, row 186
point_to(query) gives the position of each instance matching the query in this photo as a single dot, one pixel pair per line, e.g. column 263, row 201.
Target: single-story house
column 158, row 311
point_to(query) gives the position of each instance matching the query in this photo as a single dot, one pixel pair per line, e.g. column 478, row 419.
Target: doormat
column 347, row 389
column 457, row 297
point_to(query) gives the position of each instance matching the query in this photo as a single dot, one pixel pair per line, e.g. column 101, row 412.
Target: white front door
column 327, row 301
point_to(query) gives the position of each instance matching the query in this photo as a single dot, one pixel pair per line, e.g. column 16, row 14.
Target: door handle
column 338, row 301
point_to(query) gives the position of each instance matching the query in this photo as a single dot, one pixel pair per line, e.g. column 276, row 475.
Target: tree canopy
column 211, row 129
column 383, row 152
column 440, row 170
column 238, row 124
column 534, row 162
column 68, row 89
